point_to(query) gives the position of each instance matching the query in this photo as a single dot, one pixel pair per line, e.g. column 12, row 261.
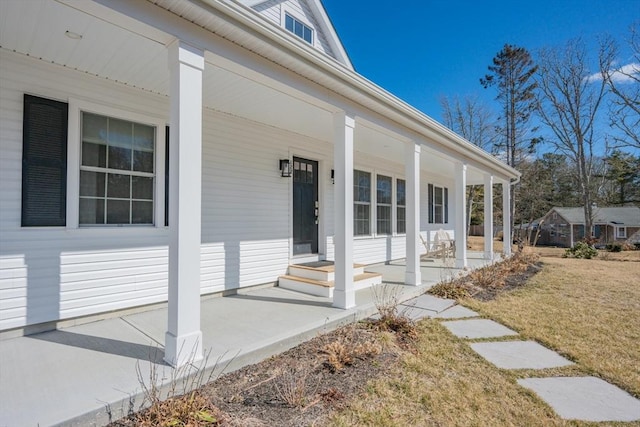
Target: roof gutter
column 414, row 119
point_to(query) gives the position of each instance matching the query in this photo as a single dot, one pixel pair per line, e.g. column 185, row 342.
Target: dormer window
column 298, row 28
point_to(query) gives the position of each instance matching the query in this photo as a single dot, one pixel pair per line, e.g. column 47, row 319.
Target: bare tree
column 568, row 103
column 474, row 121
column 624, row 83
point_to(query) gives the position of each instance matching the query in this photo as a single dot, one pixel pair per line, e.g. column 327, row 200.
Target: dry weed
column 386, row 299
column 338, row 355
column 193, row 409
column 354, row 343
column 292, row 387
column 449, row 289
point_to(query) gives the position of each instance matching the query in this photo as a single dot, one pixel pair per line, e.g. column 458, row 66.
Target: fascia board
column 329, row 29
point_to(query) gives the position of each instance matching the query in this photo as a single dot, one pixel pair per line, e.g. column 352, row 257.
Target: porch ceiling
column 139, row 59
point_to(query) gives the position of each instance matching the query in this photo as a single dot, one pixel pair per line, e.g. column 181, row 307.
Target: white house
column 143, row 145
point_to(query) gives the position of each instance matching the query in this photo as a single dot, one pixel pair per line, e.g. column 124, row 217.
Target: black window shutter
column 166, row 177
column 430, row 197
column 44, row 162
column 446, row 206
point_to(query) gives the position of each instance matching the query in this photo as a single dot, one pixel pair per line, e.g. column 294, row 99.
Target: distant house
column 565, row 226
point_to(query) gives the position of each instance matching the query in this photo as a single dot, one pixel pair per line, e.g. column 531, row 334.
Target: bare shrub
column 292, row 387
column 338, row 355
column 491, row 276
column 390, row 319
column 353, row 343
column 176, row 404
column 449, row 289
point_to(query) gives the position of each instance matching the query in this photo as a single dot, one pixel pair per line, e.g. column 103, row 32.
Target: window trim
column 431, row 205
column 76, row 108
column 620, row 235
column 397, row 206
column 284, row 11
column 389, row 205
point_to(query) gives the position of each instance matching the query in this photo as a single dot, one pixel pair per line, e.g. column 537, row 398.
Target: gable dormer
column 306, row 19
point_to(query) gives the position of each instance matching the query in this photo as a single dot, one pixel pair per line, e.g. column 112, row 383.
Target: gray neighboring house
column 565, row 226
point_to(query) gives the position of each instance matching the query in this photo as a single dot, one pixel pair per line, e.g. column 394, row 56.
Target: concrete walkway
column 87, row 374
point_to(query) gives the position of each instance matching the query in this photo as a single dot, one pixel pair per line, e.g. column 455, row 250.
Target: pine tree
column 512, row 74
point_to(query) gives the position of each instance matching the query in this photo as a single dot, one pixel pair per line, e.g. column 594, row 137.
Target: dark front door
column 305, row 206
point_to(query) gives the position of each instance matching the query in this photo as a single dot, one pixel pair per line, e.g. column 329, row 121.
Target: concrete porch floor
column 87, row 374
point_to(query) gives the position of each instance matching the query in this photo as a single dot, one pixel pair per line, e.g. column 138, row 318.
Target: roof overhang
column 345, row 83
column 242, row 48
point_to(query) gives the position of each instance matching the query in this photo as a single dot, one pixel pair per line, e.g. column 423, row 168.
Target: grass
column 588, row 310
column 445, row 383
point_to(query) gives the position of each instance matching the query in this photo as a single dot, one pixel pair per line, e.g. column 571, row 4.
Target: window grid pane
column 362, row 203
column 298, row 28
column 438, row 205
column 383, row 201
column 401, row 197
column 116, row 171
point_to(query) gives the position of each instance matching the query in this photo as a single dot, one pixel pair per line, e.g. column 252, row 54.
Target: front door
column 305, row 206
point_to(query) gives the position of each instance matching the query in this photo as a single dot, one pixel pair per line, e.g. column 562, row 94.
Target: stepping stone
column 429, row 302
column 585, row 398
column 414, row 313
column 478, row 328
column 456, row 312
column 519, row 355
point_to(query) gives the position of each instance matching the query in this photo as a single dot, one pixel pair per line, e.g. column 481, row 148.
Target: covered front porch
column 91, row 368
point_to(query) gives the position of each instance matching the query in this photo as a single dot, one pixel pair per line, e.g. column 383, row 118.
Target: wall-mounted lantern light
column 285, row 168
column 333, row 176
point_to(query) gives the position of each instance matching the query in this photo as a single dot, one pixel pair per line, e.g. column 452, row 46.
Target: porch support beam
column 183, row 340
column 461, row 214
column 413, row 274
column 506, row 218
column 488, row 217
column 344, row 295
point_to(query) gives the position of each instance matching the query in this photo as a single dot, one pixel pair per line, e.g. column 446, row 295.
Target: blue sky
column 420, row 50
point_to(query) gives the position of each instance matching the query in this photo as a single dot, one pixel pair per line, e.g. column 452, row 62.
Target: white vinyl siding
column 59, row 273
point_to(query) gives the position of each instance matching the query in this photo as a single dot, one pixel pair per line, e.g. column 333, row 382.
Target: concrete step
column 324, row 288
column 322, row 273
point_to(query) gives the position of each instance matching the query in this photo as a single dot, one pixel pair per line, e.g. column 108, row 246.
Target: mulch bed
column 257, row 395
column 512, row 282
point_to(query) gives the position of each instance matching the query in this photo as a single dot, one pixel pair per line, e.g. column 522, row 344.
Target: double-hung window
column 621, row 232
column 116, row 171
column 298, row 28
column 401, row 206
column 438, row 204
column 361, row 203
column 384, row 189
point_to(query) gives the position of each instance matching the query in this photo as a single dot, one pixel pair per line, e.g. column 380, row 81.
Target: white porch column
column 413, row 275
column 183, row 340
column 461, row 214
column 488, row 217
column 344, row 295
column 506, row 218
